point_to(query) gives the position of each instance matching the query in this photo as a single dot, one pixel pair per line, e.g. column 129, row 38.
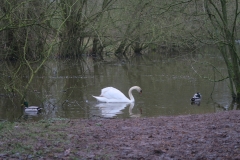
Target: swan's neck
column 130, row 95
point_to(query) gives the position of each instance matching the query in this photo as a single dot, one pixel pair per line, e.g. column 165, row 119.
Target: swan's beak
column 140, row 92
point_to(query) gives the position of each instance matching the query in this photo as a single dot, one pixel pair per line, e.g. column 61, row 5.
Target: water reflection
column 231, row 106
column 197, row 103
column 168, row 85
column 110, row 110
column 134, row 114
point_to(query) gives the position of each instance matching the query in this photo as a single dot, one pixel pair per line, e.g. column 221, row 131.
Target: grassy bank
column 23, row 140
column 206, row 136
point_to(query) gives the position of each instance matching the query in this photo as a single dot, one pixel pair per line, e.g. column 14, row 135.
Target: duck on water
column 196, row 97
column 31, row 108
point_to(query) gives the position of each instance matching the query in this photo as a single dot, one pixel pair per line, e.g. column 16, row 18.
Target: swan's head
column 138, row 89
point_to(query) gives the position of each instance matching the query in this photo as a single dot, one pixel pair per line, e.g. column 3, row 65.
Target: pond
column 64, row 89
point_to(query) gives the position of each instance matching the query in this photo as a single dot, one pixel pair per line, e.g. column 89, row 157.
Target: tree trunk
column 226, row 41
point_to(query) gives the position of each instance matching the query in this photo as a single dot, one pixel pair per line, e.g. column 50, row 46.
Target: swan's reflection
column 110, row 110
column 132, row 114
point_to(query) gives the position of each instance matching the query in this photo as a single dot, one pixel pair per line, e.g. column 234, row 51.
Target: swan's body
column 113, row 95
column 196, row 97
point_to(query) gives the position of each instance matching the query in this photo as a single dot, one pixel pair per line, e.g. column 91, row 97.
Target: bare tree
column 223, row 16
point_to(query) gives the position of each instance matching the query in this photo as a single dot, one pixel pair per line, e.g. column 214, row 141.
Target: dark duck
column 27, row 108
column 196, row 97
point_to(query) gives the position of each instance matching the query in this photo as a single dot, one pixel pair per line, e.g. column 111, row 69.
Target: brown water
column 64, row 89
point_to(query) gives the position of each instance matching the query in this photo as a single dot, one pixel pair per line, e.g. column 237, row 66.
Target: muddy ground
column 207, row 136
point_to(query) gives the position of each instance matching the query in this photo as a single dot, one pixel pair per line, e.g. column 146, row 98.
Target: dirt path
column 207, row 136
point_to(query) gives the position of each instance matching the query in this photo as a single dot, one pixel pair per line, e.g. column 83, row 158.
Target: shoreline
column 200, row 136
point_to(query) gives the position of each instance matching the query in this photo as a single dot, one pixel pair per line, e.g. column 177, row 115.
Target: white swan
column 110, row 94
